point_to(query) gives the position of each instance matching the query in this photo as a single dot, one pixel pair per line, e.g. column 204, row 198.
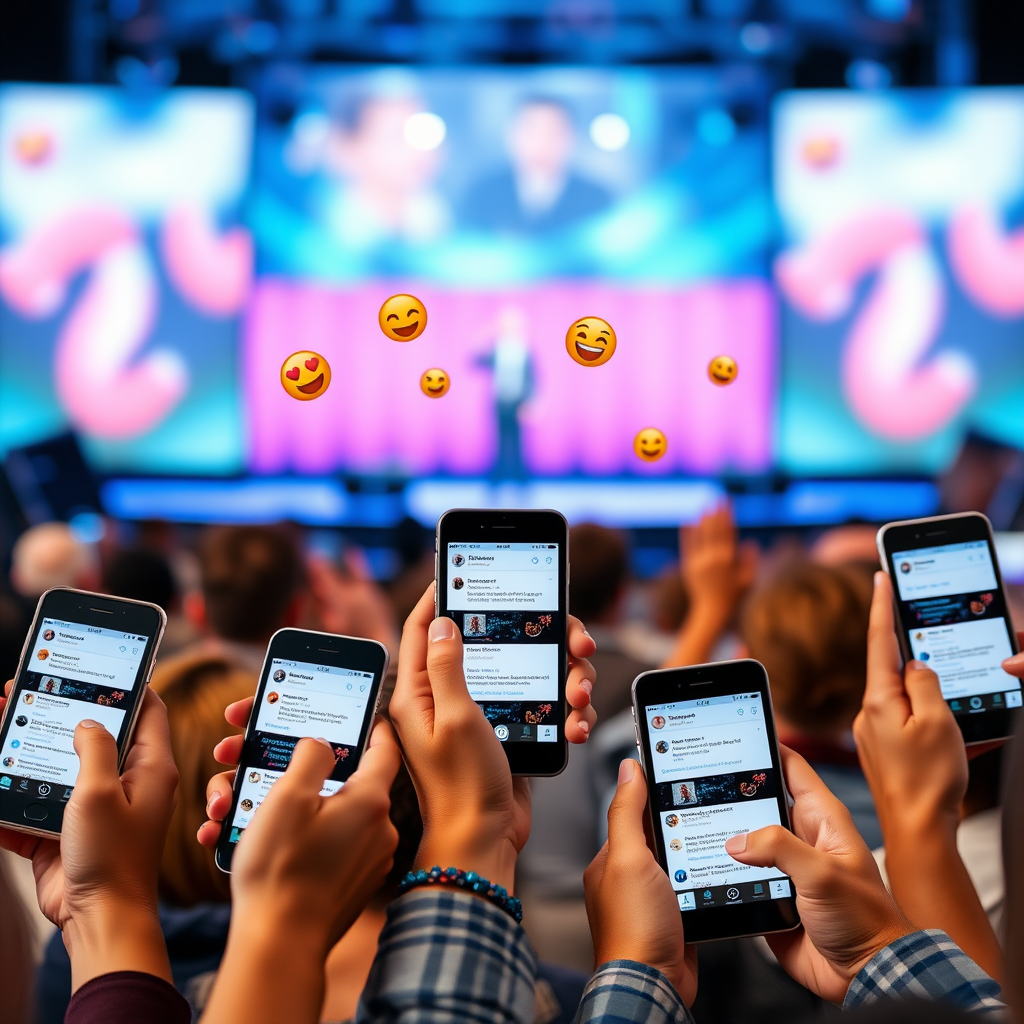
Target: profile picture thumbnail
column 8, row 762
column 29, row 698
column 48, row 634
column 21, row 720
column 245, row 804
column 49, row 684
column 458, row 583
column 42, row 654
column 680, row 875
column 905, row 567
column 273, row 697
column 676, row 844
column 458, row 559
column 684, row 793
column 671, row 820
column 661, row 746
column 657, row 722
column 279, row 676
column 474, row 625
column 254, row 776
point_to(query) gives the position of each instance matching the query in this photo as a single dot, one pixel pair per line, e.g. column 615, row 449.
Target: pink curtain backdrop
column 374, row 418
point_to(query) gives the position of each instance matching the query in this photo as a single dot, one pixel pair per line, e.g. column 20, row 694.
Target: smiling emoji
column 590, row 341
column 650, row 444
column 722, row 370
column 305, row 375
column 435, row 383
column 402, row 317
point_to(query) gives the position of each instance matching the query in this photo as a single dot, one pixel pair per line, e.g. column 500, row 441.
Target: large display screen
column 122, row 273
column 901, row 276
column 512, row 202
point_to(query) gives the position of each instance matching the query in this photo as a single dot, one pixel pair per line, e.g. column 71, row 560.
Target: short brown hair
column 196, row 690
column 808, row 626
column 600, row 568
column 250, row 575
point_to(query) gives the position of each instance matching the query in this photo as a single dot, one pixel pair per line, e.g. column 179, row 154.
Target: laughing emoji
column 650, row 444
column 435, row 383
column 722, row 370
column 590, row 341
column 305, row 375
column 402, row 317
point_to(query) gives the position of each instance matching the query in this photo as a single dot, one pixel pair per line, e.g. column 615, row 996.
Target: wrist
column 494, row 859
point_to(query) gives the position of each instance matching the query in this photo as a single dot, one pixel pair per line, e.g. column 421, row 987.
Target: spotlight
column 425, row 131
column 609, row 132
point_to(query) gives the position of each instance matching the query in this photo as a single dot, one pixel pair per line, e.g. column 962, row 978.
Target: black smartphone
column 312, row 684
column 951, row 613
column 502, row 575
column 85, row 656
column 706, row 737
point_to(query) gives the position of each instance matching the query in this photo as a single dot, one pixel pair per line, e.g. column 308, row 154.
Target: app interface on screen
column 73, row 672
column 714, row 779
column 504, row 598
column 302, row 699
column 956, row 621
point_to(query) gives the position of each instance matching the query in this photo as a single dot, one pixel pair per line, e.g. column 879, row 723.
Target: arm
column 717, row 571
column 914, row 758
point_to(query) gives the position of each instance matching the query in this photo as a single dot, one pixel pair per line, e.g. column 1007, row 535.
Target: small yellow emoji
column 402, row 317
column 435, row 383
column 650, row 444
column 590, row 341
column 305, row 375
column 722, row 370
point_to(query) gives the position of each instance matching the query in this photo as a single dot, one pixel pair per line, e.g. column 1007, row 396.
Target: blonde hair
column 196, row 690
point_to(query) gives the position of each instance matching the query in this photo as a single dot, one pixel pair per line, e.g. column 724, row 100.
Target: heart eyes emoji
column 305, row 375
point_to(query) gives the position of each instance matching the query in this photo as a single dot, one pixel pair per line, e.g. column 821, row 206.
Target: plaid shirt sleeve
column 627, row 992
column 451, row 957
column 926, row 965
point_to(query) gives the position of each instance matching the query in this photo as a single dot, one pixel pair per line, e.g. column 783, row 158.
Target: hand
column 847, row 915
column 98, row 882
column 630, row 903
column 1015, row 663
column 350, row 602
column 717, row 570
column 908, row 741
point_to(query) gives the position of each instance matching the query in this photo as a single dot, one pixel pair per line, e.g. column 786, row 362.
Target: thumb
column 444, row 665
column 97, row 752
column 312, row 761
column 775, row 846
column 626, row 812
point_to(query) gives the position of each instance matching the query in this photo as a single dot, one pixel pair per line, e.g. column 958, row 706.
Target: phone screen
column 504, row 598
column 72, row 671
column 957, row 623
column 713, row 777
column 298, row 699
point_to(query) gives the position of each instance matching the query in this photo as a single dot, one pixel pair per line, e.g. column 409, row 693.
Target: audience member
column 15, row 955
column 50, row 555
column 807, row 625
column 141, row 575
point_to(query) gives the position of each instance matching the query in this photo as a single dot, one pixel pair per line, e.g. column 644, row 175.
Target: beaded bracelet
column 497, row 894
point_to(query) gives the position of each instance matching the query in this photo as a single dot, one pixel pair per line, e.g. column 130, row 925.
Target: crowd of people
column 900, row 854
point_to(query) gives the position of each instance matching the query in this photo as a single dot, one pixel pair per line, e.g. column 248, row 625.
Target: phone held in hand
column 952, row 614
column 706, row 737
column 86, row 656
column 503, row 575
column 319, row 685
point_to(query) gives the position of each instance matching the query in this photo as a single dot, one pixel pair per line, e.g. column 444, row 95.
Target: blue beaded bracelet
column 497, row 894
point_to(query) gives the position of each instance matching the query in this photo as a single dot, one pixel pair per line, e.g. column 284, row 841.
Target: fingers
column 312, row 761
column 1014, row 664
column 884, row 682
column 579, row 685
column 379, row 765
column 626, row 814
column 229, row 750
column 580, row 724
column 776, row 847
column 924, row 692
column 218, row 795
column 581, row 644
column 444, row 667
column 238, row 713
column 149, row 766
column 412, row 687
column 97, row 751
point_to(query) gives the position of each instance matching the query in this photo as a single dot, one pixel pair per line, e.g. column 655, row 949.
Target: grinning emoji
column 402, row 317
column 722, row 370
column 590, row 341
column 435, row 383
column 650, row 444
column 305, row 375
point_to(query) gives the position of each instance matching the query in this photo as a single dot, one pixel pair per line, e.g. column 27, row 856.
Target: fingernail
column 879, row 576
column 626, row 769
column 442, row 628
column 1014, row 660
column 584, row 727
column 320, row 739
column 915, row 664
column 209, row 806
column 736, row 844
column 586, row 633
column 587, row 686
column 90, row 723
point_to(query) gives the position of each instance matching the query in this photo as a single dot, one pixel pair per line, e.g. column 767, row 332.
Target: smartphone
column 706, row 737
column 85, row 656
column 503, row 576
column 951, row 613
column 312, row 684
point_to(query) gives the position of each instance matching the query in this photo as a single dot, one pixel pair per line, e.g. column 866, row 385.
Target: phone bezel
column 663, row 686
column 306, row 645
column 520, row 526
column 90, row 609
column 933, row 532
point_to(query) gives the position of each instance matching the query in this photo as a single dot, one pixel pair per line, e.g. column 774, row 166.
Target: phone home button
column 36, row 812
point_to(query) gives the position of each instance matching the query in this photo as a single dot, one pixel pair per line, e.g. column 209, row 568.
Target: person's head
column 141, row 575
column 541, row 137
column 251, row 577
column 600, row 572
column 50, row 555
column 808, row 626
column 195, row 691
